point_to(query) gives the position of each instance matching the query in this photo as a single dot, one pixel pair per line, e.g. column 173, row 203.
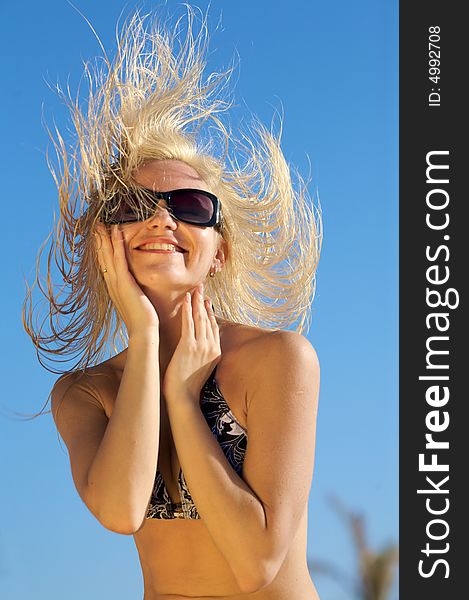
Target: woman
column 198, row 437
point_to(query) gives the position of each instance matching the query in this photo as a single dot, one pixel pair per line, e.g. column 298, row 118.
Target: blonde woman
column 198, row 437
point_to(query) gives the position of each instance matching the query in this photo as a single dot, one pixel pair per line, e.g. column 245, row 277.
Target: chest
column 225, row 410
column 227, row 427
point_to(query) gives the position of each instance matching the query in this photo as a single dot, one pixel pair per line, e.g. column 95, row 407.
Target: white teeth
column 169, row 247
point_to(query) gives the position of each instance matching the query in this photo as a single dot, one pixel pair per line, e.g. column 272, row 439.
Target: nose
column 162, row 217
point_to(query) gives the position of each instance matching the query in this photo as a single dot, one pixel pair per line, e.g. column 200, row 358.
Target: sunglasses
column 192, row 206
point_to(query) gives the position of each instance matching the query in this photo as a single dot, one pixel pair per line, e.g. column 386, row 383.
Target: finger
column 97, row 239
column 100, row 253
column 100, row 227
column 105, row 251
column 213, row 322
column 199, row 313
column 187, row 323
column 97, row 247
column 210, row 316
column 118, row 244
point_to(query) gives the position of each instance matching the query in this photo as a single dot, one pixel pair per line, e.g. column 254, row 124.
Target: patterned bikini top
column 232, row 438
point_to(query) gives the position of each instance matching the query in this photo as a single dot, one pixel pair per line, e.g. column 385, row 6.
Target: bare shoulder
column 256, row 348
column 79, row 409
column 283, row 343
column 260, row 364
column 97, row 384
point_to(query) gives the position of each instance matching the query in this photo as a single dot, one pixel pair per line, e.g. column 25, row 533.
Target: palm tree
column 375, row 568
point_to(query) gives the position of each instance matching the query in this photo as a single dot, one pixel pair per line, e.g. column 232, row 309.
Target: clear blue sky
column 333, row 68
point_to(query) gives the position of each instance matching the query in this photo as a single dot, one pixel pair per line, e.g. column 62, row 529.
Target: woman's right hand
column 130, row 301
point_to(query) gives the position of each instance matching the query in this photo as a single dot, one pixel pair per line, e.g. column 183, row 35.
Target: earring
column 214, row 272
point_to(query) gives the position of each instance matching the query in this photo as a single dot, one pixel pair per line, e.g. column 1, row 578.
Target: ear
column 221, row 255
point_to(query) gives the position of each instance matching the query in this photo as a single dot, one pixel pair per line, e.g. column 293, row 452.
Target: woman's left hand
column 196, row 354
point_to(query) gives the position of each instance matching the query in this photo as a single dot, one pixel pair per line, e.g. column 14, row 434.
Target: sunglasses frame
column 216, row 219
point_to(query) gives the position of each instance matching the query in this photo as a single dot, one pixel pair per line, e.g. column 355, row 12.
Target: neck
column 168, row 309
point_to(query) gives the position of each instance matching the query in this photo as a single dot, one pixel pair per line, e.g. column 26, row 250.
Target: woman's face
column 199, row 250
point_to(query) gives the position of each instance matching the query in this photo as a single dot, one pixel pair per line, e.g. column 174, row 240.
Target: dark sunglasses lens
column 192, row 206
column 125, row 213
column 129, row 210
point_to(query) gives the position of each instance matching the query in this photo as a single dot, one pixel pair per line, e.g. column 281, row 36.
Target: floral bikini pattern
column 232, row 438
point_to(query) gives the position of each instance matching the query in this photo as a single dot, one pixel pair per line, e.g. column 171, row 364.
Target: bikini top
column 231, row 436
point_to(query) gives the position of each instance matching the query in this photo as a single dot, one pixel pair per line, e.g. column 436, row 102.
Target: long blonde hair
column 152, row 101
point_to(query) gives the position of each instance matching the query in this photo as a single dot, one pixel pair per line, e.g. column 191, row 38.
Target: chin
column 164, row 279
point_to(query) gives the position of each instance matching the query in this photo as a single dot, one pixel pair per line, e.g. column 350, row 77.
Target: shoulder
column 285, row 365
column 268, row 346
column 95, row 385
column 265, row 358
column 282, row 345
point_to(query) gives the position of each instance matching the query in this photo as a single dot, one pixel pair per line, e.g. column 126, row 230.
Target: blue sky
column 332, row 66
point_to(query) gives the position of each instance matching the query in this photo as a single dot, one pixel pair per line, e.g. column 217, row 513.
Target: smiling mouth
column 161, row 248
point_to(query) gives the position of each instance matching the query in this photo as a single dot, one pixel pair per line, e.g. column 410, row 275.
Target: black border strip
column 433, row 272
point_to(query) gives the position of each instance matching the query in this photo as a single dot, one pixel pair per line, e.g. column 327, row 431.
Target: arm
column 113, row 460
column 253, row 519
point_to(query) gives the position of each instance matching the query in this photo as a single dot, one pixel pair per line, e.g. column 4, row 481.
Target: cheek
column 205, row 249
column 129, row 232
